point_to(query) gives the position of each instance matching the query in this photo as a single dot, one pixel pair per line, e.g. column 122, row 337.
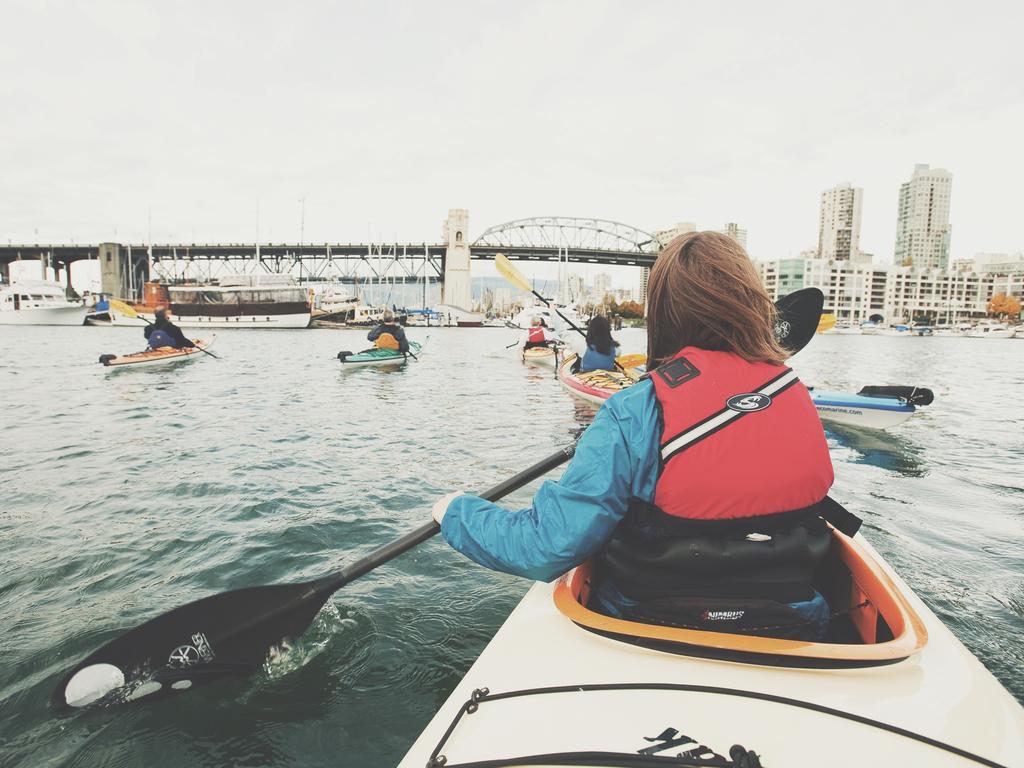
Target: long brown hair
column 704, row 292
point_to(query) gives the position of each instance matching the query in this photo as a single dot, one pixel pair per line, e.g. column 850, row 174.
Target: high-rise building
column 922, row 223
column 839, row 223
column 602, row 283
column 732, row 229
column 665, row 236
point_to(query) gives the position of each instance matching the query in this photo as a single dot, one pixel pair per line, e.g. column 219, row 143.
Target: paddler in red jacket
column 698, row 493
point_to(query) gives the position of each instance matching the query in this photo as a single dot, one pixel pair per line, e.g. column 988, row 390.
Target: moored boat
column 990, row 330
column 161, row 356
column 889, row 685
column 39, row 302
column 377, row 356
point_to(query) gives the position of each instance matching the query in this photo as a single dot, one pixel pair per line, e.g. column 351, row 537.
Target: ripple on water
column 127, row 494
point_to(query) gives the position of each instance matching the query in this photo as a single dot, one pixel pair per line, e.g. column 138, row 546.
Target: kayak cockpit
column 873, row 622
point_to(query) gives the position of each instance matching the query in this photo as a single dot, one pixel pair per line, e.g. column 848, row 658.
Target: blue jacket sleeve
column 403, row 342
column 374, row 333
column 570, row 520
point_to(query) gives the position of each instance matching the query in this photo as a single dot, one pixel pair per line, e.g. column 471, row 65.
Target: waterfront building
column 1005, row 270
column 666, row 236
column 858, row 292
column 854, row 292
column 839, row 223
column 732, row 230
column 602, row 283
column 922, row 223
column 935, row 294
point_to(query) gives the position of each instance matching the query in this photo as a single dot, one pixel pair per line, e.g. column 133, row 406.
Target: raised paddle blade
column 510, row 273
column 798, row 318
column 125, row 309
column 225, row 634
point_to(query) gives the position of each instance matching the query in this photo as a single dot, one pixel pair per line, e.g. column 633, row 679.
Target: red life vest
column 740, row 439
column 536, row 335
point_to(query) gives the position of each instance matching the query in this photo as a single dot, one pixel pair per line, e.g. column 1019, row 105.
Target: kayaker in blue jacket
column 164, row 333
column 602, row 349
column 698, row 489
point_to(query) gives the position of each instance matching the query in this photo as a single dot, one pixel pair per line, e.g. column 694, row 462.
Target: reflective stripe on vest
column 536, row 335
column 738, row 438
column 737, row 406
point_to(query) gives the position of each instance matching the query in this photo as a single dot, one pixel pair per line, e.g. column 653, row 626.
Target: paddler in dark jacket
column 389, row 334
column 164, row 333
column 698, row 492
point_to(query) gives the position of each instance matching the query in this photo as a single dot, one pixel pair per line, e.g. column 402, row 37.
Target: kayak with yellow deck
column 890, row 685
column 597, row 386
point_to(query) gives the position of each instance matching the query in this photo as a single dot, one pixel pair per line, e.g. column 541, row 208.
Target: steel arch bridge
column 583, row 240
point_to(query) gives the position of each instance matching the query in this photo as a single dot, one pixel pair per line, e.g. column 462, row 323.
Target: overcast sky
column 383, row 115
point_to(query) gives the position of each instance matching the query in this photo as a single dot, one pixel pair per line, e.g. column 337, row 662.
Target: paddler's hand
column 441, row 505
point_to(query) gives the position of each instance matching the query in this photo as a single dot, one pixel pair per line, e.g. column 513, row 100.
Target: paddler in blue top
column 164, row 333
column 696, row 492
column 602, row 349
column 389, row 334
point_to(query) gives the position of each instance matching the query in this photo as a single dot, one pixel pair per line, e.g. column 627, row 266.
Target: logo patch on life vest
column 748, row 403
column 678, row 371
column 722, row 615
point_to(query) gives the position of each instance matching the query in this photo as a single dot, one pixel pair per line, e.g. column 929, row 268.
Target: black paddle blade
column 226, row 634
column 913, row 395
column 799, row 315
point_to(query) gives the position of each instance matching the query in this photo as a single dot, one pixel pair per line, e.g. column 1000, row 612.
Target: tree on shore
column 1004, row 306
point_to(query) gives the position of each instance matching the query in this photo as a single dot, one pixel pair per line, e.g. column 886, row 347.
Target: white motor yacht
column 988, row 329
column 39, row 302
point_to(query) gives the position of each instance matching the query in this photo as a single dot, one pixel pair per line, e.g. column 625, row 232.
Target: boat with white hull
column 240, row 301
column 39, row 302
column 990, row 331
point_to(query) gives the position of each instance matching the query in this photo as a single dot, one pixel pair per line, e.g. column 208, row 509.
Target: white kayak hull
column 859, row 411
column 154, row 358
column 668, row 703
column 540, row 356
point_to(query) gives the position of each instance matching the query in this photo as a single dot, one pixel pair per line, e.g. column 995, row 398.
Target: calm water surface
column 128, row 493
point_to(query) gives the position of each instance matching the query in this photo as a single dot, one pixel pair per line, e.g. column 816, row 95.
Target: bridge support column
column 113, row 272
column 457, row 289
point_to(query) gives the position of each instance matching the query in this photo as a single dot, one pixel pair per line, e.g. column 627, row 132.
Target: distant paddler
column 164, row 333
column 389, row 334
column 537, row 335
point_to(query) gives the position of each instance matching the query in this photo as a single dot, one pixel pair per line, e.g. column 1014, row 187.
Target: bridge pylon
column 457, row 289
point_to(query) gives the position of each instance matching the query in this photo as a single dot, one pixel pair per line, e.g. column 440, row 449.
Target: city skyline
column 298, row 113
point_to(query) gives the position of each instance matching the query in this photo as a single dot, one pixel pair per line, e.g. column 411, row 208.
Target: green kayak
column 376, row 356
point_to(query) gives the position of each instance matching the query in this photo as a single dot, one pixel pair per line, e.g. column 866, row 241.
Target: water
column 128, row 493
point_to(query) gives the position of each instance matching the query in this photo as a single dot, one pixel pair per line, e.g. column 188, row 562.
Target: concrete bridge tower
column 457, row 290
column 113, row 270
